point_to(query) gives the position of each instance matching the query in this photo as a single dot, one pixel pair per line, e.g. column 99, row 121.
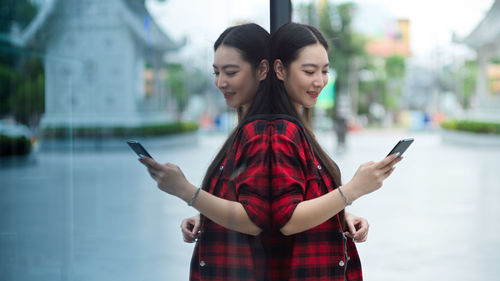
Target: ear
column 279, row 68
column 263, row 70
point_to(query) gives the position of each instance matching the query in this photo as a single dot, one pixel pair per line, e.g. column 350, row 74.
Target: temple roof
column 132, row 12
column 487, row 32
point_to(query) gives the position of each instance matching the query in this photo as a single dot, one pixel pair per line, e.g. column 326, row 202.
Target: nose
column 220, row 82
column 320, row 81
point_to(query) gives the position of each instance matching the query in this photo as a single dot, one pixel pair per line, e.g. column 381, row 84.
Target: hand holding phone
column 401, row 146
column 139, row 149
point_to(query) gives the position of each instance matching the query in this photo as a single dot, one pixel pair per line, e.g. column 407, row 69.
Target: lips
column 313, row 94
column 228, row 95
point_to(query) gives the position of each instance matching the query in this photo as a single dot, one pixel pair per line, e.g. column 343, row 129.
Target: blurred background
column 79, row 78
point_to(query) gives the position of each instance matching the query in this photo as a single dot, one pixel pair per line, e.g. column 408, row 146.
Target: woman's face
column 306, row 76
column 234, row 77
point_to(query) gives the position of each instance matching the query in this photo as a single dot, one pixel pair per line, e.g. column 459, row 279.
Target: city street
column 97, row 215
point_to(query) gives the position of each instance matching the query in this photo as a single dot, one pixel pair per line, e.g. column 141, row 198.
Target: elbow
column 254, row 231
column 286, row 230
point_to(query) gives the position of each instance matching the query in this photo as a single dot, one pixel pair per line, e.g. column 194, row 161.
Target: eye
column 325, row 71
column 231, row 73
column 308, row 72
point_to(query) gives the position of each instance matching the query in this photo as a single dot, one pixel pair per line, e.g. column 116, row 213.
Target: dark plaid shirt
column 320, row 253
column 222, row 254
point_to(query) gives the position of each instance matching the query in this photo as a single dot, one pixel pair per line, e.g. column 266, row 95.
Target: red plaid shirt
column 320, row 253
column 222, row 254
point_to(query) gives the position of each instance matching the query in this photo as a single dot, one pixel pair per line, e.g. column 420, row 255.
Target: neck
column 298, row 107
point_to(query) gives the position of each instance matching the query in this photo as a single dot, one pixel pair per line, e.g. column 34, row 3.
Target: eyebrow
column 314, row 65
column 227, row 66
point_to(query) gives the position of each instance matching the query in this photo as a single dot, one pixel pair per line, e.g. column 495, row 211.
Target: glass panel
column 78, row 78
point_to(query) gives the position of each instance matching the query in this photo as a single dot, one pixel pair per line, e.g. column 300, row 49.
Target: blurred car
column 12, row 129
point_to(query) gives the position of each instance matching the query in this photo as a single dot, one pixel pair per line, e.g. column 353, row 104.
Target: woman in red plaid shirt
column 234, row 197
column 310, row 240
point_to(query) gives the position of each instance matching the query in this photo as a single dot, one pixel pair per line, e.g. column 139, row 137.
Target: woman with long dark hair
column 310, row 239
column 233, row 199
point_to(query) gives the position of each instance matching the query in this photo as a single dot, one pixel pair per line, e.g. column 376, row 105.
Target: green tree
column 177, row 84
column 395, row 73
column 21, row 75
column 27, row 104
column 345, row 46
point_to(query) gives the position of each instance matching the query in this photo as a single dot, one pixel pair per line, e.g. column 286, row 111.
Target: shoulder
column 255, row 127
column 283, row 128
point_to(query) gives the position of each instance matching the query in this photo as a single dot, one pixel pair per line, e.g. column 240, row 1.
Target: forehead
column 312, row 54
column 227, row 55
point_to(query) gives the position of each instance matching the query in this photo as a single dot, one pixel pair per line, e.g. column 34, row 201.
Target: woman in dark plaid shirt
column 234, row 197
column 310, row 240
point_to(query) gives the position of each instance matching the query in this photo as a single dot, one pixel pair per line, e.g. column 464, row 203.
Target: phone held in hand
column 401, row 146
column 138, row 148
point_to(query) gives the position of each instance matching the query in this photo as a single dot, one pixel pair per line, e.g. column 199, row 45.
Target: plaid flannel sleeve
column 288, row 172
column 251, row 175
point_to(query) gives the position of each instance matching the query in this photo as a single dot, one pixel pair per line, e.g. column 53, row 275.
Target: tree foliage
column 21, row 75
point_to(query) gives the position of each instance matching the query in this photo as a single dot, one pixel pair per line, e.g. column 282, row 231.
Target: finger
column 186, row 226
column 363, row 239
column 188, row 239
column 351, row 227
column 392, row 164
column 386, row 169
column 151, row 163
column 387, row 160
column 389, row 172
column 196, row 228
column 348, row 234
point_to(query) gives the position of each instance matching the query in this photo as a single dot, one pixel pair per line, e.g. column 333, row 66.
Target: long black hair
column 286, row 44
column 252, row 41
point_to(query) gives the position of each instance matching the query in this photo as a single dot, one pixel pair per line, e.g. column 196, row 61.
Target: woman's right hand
column 370, row 176
column 189, row 228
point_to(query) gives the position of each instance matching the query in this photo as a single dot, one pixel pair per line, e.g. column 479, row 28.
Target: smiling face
column 306, row 76
column 235, row 77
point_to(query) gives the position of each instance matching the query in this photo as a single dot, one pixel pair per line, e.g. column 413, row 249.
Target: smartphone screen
column 138, row 148
column 401, row 146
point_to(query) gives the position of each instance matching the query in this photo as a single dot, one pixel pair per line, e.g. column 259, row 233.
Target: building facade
column 485, row 40
column 103, row 63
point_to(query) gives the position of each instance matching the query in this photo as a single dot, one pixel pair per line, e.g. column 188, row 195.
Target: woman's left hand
column 169, row 178
column 357, row 227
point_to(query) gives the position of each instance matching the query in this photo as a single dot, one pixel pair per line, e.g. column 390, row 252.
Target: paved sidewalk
column 98, row 216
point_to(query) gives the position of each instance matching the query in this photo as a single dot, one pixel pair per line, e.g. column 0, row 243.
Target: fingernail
column 397, row 154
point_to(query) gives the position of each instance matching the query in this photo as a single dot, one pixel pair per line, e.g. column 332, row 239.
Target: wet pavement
column 97, row 215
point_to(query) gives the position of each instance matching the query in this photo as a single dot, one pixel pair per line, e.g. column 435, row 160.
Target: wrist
column 187, row 192
column 350, row 192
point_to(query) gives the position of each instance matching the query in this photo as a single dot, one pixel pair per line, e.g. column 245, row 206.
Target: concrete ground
column 98, row 216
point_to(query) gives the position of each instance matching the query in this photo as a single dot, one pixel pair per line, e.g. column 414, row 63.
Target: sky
column 431, row 21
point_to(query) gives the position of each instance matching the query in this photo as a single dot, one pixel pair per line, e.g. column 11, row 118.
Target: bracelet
column 194, row 197
column 347, row 203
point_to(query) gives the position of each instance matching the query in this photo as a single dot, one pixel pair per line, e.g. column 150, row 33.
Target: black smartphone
column 401, row 146
column 138, row 148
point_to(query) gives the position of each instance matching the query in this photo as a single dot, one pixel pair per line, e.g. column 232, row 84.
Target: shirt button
column 319, row 167
column 221, row 167
column 341, row 263
column 348, row 258
column 202, row 263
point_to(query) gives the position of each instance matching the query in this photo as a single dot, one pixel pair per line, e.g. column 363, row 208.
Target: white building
column 102, row 63
column 485, row 40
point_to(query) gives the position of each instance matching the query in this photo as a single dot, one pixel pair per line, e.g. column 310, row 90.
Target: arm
column 304, row 215
column 250, row 178
column 229, row 214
